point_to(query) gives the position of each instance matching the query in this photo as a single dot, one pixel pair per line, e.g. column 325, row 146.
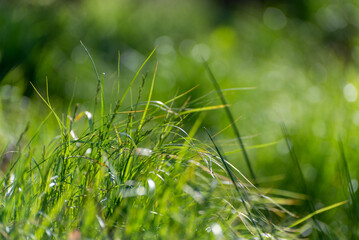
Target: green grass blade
column 264, row 145
column 196, row 125
column 203, row 109
column 68, row 123
column 350, row 188
column 297, row 164
column 92, row 61
column 134, row 78
column 235, row 185
column 310, row 204
column 102, row 103
column 38, row 130
column 61, row 126
column 324, row 209
column 118, row 74
column 181, row 95
column 231, row 120
column 149, row 99
column 98, row 89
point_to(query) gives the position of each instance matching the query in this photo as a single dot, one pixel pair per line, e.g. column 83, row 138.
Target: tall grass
column 134, row 172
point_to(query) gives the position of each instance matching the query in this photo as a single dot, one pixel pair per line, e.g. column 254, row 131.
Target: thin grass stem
column 231, row 120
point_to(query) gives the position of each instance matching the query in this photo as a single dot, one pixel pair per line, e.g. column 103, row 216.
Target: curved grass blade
column 118, row 74
column 203, row 109
column 134, row 78
column 51, row 109
column 149, row 99
column 324, row 209
column 310, row 204
column 231, row 120
column 264, row 145
column 181, row 95
column 235, row 185
column 93, row 63
column 350, row 188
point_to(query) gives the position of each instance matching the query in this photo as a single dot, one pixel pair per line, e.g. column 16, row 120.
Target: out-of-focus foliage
column 42, row 37
column 44, row 40
column 301, row 58
column 109, row 177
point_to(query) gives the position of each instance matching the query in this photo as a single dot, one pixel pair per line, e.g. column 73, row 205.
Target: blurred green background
column 292, row 62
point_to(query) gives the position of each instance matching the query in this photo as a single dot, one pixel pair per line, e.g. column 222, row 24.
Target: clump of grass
column 132, row 172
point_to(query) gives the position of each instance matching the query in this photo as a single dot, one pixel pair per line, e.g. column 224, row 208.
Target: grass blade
column 118, row 75
column 149, row 99
column 102, row 103
column 203, row 109
column 350, row 188
column 324, row 209
column 264, row 145
column 134, row 78
column 231, row 120
column 98, row 89
column 51, row 109
column 181, row 95
column 93, row 63
column 310, row 204
column 235, row 184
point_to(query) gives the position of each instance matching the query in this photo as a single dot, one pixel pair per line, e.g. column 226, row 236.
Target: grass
column 137, row 173
column 297, row 75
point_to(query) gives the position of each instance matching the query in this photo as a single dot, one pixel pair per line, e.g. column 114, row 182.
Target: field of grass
column 132, row 173
column 241, row 126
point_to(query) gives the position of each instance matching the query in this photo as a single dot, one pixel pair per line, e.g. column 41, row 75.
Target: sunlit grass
column 133, row 173
column 139, row 172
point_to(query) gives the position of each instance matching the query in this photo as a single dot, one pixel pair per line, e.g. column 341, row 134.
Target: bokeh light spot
column 186, row 46
column 201, row 51
column 319, row 129
column 331, row 18
column 355, row 185
column 350, row 92
column 274, row 18
column 314, row 94
column 355, row 118
column 217, row 230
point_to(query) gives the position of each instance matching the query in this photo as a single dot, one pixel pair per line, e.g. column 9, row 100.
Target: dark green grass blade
column 231, row 120
column 92, row 61
column 118, row 75
column 347, row 175
column 98, row 88
column 353, row 202
column 235, row 185
column 295, row 160
column 309, row 202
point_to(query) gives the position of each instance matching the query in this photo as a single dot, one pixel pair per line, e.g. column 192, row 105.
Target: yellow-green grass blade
column 318, row 212
column 134, row 78
column 194, row 110
column 149, row 98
